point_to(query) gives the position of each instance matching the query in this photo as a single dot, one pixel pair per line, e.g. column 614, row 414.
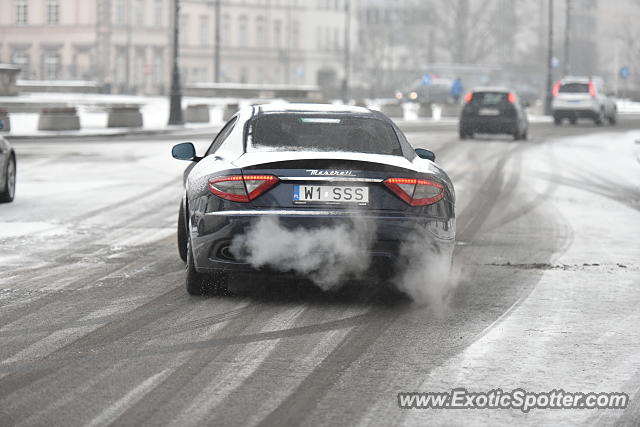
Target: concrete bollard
column 198, row 113
column 392, row 110
column 229, row 111
column 4, row 116
column 59, row 118
column 124, row 116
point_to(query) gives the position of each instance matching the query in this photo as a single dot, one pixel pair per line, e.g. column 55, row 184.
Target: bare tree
column 469, row 31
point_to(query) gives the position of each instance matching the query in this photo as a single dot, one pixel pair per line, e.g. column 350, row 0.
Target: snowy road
column 96, row 327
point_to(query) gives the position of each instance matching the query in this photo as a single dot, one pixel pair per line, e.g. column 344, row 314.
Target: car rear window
column 322, row 132
column 574, row 88
column 489, row 98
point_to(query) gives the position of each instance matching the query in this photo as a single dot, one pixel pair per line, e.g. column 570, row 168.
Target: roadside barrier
column 59, row 118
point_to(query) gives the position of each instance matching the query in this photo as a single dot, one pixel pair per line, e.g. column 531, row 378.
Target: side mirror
column 184, row 151
column 426, row 154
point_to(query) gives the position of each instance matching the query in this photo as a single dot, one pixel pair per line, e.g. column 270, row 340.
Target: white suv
column 582, row 97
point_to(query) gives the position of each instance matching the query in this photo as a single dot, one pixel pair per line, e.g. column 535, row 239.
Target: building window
column 53, row 12
column 120, row 12
column 158, row 9
column 204, row 30
column 158, row 70
column 22, row 12
column 139, row 12
column 121, row 72
column 242, row 31
column 295, row 34
column 277, row 33
column 260, row 32
column 139, row 74
column 225, row 34
column 51, row 66
column 184, row 25
column 327, row 38
column 21, row 59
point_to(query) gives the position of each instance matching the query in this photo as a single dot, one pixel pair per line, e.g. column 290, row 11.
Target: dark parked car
column 306, row 165
column 493, row 110
column 7, row 170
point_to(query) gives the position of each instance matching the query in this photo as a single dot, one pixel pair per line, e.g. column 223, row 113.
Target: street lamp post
column 567, row 39
column 175, row 96
column 216, row 59
column 347, row 52
column 548, row 96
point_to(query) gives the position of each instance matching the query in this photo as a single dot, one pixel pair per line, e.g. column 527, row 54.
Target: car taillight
column 592, row 88
column 556, row 89
column 511, row 97
column 416, row 192
column 239, row 188
column 468, row 97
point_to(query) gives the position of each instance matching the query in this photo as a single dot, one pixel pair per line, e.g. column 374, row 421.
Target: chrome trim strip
column 328, row 178
column 284, row 212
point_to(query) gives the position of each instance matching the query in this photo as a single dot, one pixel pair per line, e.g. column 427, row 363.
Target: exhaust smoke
column 425, row 271
column 329, row 256
column 332, row 255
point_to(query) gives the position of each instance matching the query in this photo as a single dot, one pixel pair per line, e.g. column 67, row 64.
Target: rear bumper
column 489, row 124
column 212, row 235
column 569, row 113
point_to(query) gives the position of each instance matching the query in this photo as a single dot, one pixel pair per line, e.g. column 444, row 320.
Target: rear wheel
column 599, row 119
column 202, row 283
column 182, row 234
column 557, row 120
column 613, row 119
column 573, row 120
column 9, row 191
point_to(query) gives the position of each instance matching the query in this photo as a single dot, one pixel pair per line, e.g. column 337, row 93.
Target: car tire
column 199, row 284
column 557, row 121
column 182, row 234
column 463, row 134
column 9, row 191
column 599, row 119
column 525, row 134
column 573, row 120
column 613, row 120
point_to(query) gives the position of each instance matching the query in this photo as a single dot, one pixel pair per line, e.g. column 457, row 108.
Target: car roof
column 310, row 108
column 491, row 89
column 578, row 79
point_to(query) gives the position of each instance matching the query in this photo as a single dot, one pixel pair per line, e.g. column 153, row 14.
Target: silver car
column 582, row 97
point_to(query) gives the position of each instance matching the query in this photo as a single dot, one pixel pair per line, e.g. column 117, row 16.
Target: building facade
column 126, row 44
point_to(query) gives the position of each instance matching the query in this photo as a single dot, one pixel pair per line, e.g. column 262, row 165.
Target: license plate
column 330, row 194
column 488, row 112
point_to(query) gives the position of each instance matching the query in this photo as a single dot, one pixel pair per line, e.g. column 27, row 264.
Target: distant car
column 437, row 92
column 7, row 170
column 493, row 110
column 582, row 97
column 306, row 165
